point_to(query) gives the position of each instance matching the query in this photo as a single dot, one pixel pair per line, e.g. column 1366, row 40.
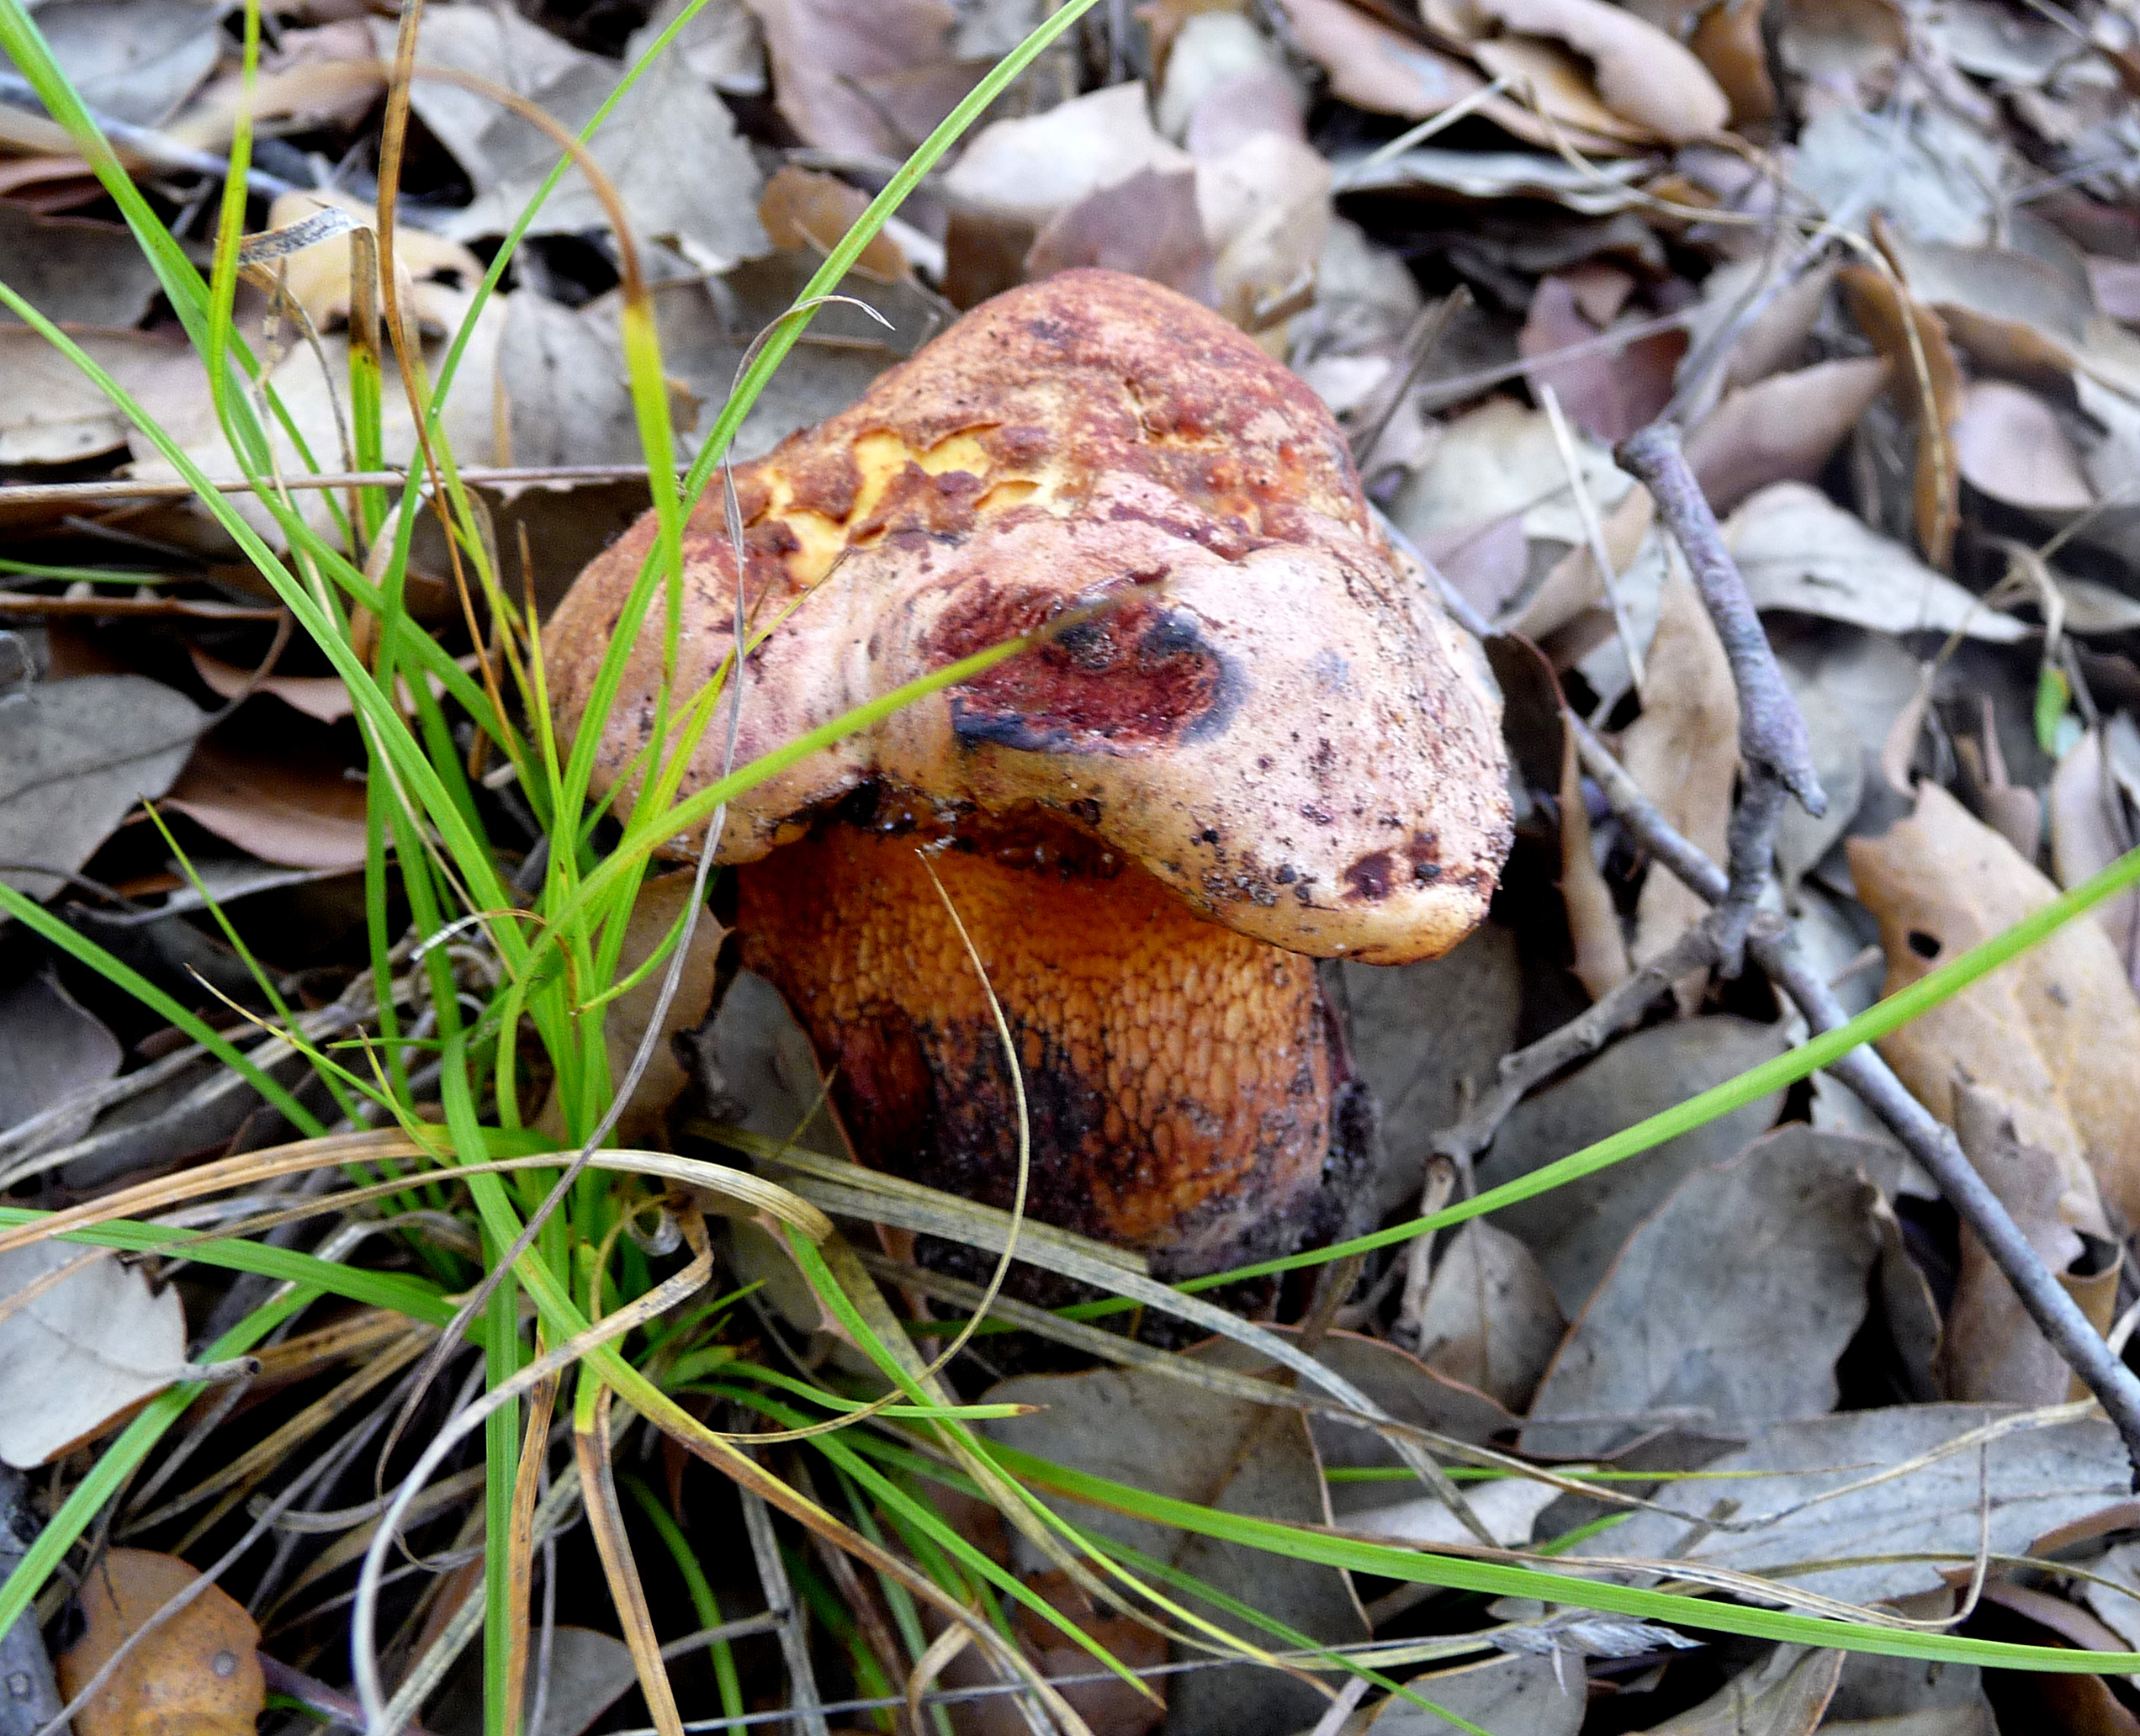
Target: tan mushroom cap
column 1275, row 720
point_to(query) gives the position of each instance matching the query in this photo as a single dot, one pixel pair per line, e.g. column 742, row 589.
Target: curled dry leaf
column 2010, row 446
column 801, row 208
column 1992, row 1350
column 1927, row 379
column 1783, row 428
column 1683, row 751
column 1642, row 75
column 197, row 1674
column 1727, row 1308
column 321, row 279
column 74, row 757
column 1374, row 67
column 83, row 1339
column 55, row 415
column 2056, row 1032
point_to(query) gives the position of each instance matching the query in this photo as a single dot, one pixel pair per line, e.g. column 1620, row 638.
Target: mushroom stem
column 1178, row 1074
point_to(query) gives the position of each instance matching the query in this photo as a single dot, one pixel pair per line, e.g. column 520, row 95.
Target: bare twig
column 1776, row 949
column 779, row 1602
column 1772, row 741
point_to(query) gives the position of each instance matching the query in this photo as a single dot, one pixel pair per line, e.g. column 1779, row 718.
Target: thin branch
column 1776, row 949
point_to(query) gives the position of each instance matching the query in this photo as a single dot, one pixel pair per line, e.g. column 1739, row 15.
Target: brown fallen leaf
column 197, row 1674
column 1783, row 428
column 1573, row 583
column 290, row 806
column 2089, row 832
column 1992, row 1351
column 324, row 698
column 1927, row 380
column 1148, row 224
column 2008, row 444
column 801, row 208
column 321, row 279
column 1642, row 75
column 1608, row 396
column 874, row 79
column 1683, row 751
column 1601, row 961
column 1728, row 40
column 2057, row 1031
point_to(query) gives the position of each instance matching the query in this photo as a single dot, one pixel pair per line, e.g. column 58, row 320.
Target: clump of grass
column 581, row 1273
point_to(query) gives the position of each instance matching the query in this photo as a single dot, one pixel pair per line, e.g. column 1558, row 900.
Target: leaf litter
column 1627, row 197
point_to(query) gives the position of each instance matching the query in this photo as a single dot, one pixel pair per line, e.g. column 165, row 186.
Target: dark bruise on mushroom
column 1272, row 744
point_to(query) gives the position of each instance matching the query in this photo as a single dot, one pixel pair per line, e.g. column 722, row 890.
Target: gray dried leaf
column 74, row 757
column 1784, row 1695
column 1799, row 550
column 1577, row 1231
column 50, row 1047
column 1490, row 1319
column 134, row 60
column 562, row 372
column 1520, row 1695
column 1417, row 1033
column 1727, row 1308
column 75, row 273
column 2035, row 1478
column 1160, row 1435
column 78, row 1349
column 1839, row 757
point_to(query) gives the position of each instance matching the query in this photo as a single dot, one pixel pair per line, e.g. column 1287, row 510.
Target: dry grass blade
column 520, row 1540
column 598, row 1482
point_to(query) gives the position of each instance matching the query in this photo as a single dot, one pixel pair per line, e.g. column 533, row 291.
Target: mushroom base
column 1177, row 1076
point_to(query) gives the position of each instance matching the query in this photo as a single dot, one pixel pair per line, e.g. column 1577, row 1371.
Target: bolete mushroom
column 1273, row 747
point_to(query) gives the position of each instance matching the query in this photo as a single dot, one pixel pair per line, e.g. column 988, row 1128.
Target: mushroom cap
column 1272, row 717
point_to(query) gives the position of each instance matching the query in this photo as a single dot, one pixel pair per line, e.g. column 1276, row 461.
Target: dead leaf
column 1601, row 962
column 658, row 909
column 1374, row 67
column 1507, row 1507
column 2056, row 1032
column 1577, row 1231
column 1784, row 1695
column 801, row 207
column 74, row 757
column 320, row 278
column 1728, row 39
column 1220, row 51
column 135, row 59
column 1510, row 1696
column 1037, row 166
column 1608, row 395
column 1927, row 380
column 1683, row 751
column 54, row 415
column 1643, row 75
column 561, row 372
column 1796, row 549
column 1490, row 1319
column 1148, row 224
column 1992, row 1350
column 2010, row 445
column 2036, row 1479
column 83, row 1340
column 496, row 43
column 1162, row 1435
column 1783, row 428
column 288, row 804
column 197, row 1674
column 723, row 46
column 1406, row 1390
column 876, row 79
column 669, row 148
column 2089, row 832
column 75, row 273
column 2116, row 285
column 50, row 1047
column 1727, row 1308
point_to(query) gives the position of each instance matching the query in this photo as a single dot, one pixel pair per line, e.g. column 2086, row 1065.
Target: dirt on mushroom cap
column 1276, row 722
